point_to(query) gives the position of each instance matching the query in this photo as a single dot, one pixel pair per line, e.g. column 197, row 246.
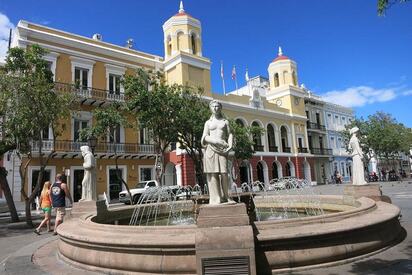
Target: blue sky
column 344, row 51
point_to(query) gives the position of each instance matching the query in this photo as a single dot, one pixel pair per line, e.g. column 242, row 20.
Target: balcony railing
column 286, row 150
column 315, row 126
column 258, row 147
column 321, row 151
column 273, row 148
column 102, row 147
column 88, row 92
column 302, row 150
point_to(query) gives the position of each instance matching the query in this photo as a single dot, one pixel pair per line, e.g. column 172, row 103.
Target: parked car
column 137, row 191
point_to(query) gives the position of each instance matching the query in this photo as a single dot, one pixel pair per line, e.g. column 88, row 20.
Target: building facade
column 295, row 142
column 336, row 119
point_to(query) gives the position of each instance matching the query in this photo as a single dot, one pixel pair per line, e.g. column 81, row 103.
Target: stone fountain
column 163, row 234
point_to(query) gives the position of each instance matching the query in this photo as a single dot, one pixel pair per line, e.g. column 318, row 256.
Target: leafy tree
column 384, row 5
column 189, row 122
column 29, row 105
column 243, row 144
column 156, row 105
column 106, row 123
column 382, row 135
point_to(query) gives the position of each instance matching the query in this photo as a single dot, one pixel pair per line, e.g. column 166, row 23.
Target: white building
column 336, row 118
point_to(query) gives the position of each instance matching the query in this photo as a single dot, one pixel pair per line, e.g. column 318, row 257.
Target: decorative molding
column 195, row 61
column 25, row 32
column 52, row 57
column 181, row 20
column 83, row 64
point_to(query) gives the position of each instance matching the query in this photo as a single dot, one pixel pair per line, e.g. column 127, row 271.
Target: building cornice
column 262, row 112
column 193, row 60
column 181, row 20
column 284, row 91
column 83, row 43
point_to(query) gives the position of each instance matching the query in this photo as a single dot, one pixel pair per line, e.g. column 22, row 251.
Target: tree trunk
column 121, row 179
column 7, row 193
column 32, row 196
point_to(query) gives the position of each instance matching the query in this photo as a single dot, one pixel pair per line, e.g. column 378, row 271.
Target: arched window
column 260, row 173
column 276, row 79
column 169, row 45
column 288, row 169
column 275, row 173
column 271, row 139
column 284, row 139
column 294, row 79
column 257, row 139
column 240, row 122
column 193, row 41
column 179, row 40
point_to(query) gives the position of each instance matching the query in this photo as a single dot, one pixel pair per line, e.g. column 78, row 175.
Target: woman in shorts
column 45, row 204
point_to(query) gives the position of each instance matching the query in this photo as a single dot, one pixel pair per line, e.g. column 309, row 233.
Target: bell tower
column 184, row 61
column 284, row 90
column 282, row 71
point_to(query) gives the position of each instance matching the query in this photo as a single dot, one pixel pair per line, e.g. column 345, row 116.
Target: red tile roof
column 280, row 57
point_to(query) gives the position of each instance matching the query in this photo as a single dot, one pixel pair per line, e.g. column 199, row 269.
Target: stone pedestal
column 372, row 191
column 224, row 240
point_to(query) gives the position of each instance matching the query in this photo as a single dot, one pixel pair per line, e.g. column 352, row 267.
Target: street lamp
column 92, row 142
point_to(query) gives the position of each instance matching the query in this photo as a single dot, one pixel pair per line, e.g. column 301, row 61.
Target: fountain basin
column 361, row 227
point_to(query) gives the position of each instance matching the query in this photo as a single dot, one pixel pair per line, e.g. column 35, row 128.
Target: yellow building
column 275, row 103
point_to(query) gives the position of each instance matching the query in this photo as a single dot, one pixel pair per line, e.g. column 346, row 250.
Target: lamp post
column 92, row 142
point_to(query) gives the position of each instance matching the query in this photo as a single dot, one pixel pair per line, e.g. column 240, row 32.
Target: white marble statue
column 358, row 174
column 218, row 141
column 89, row 178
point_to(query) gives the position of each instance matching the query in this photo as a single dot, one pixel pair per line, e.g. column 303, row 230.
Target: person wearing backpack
column 59, row 192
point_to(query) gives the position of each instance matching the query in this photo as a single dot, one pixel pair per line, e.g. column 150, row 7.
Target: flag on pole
column 221, row 69
column 223, row 78
column 234, row 73
column 247, row 75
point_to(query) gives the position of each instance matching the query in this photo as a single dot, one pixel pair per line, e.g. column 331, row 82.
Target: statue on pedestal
column 89, row 178
column 358, row 174
column 218, row 141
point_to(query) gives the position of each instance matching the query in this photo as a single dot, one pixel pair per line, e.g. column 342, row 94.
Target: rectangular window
column 114, row 84
column 342, row 169
column 79, row 125
column 332, row 142
column 115, row 183
column 81, row 77
column 342, row 145
column 115, row 134
column 146, row 173
column 300, row 142
column 45, row 134
column 317, row 118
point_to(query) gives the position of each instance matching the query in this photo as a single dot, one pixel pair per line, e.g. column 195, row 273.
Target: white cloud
column 5, row 26
column 359, row 96
column 406, row 93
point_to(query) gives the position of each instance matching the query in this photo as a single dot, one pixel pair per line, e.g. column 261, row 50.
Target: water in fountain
column 285, row 198
column 166, row 205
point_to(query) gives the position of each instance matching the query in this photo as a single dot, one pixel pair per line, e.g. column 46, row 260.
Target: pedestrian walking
column 45, row 204
column 59, row 192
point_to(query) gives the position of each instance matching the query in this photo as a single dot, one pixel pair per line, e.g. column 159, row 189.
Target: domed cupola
column 182, row 33
column 282, row 71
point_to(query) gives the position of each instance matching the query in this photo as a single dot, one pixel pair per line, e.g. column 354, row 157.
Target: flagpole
column 223, row 78
column 236, row 85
